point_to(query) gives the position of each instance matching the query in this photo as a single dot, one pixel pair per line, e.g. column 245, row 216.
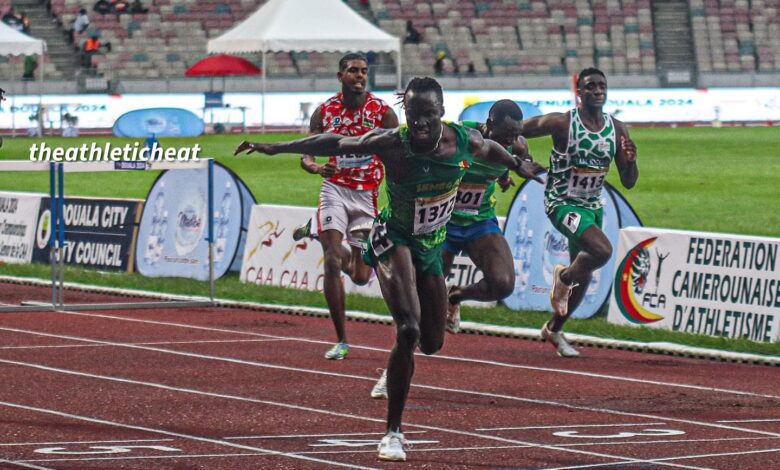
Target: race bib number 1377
column 433, row 212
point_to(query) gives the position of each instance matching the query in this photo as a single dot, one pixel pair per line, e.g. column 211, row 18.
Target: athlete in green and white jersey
column 474, row 228
column 423, row 165
column 585, row 141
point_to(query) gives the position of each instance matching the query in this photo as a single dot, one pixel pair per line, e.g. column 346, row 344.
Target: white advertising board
column 630, row 105
column 272, row 258
column 18, row 221
column 695, row 282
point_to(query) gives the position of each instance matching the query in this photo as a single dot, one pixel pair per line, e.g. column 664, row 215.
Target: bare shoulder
column 620, row 126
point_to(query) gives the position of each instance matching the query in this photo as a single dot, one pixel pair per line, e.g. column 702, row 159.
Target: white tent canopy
column 306, row 26
column 12, row 42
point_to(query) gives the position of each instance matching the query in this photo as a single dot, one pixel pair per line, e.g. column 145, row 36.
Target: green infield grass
column 706, row 179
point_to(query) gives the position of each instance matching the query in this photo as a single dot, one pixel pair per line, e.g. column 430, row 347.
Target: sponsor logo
column 572, row 221
column 44, row 230
column 630, row 283
column 189, row 225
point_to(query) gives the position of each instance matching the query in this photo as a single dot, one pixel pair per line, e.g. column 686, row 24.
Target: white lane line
column 749, row 421
column 440, row 357
column 164, row 432
column 294, row 436
column 373, row 379
column 24, row 465
column 148, row 343
column 319, row 411
column 511, row 428
column 682, row 457
column 14, row 444
column 149, row 457
column 364, row 451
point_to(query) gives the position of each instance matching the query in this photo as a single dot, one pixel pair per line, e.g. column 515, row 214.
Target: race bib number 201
column 433, row 212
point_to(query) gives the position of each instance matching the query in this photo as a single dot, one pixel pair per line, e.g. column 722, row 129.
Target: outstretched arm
column 308, row 163
column 552, row 124
column 625, row 158
column 520, row 149
column 493, row 152
column 375, row 141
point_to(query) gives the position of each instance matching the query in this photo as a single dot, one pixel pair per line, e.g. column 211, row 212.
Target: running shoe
column 338, row 352
column 452, row 322
column 391, row 447
column 380, row 387
column 303, row 231
column 559, row 342
column 560, row 292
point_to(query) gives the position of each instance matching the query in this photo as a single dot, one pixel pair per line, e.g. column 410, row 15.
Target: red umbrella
column 221, row 65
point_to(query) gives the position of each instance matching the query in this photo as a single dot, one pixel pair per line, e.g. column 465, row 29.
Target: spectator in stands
column 412, row 35
column 120, row 6
column 137, row 7
column 92, row 47
column 438, row 66
column 30, row 64
column 11, row 19
column 80, row 24
column 103, row 7
column 24, row 20
column 471, row 70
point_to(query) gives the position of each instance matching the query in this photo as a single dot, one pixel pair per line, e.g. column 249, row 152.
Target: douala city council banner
column 696, row 282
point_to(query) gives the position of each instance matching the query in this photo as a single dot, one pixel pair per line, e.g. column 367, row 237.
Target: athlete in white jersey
column 585, row 141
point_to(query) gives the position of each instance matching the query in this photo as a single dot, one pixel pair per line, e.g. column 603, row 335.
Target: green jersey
column 577, row 176
column 476, row 200
column 421, row 205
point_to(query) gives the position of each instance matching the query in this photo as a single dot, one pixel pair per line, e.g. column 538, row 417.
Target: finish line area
column 237, row 388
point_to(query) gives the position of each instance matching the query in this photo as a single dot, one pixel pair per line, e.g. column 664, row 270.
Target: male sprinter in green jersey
column 473, row 227
column 585, row 141
column 424, row 163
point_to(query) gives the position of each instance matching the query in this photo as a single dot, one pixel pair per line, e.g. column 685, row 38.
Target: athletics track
column 223, row 388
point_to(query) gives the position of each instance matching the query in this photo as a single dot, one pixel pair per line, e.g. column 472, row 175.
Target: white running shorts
column 345, row 209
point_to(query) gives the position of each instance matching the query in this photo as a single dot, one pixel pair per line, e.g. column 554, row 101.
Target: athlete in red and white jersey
column 354, row 171
column 349, row 193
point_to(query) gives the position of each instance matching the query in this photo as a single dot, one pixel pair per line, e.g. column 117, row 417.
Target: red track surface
column 221, row 388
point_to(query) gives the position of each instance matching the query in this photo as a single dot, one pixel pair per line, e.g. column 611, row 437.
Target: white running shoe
column 559, row 342
column 391, row 447
column 452, row 321
column 560, row 292
column 380, row 387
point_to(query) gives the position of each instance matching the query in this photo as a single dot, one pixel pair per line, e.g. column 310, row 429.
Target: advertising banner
column 18, row 214
column 634, row 105
column 705, row 283
column 174, row 225
column 273, row 258
column 99, row 233
column 158, row 122
column 537, row 247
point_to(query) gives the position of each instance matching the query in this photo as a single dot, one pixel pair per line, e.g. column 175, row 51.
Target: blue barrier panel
column 159, row 122
column 537, row 247
column 479, row 111
column 173, row 230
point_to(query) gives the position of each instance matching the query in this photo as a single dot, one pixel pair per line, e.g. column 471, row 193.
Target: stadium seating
column 736, row 35
column 498, row 37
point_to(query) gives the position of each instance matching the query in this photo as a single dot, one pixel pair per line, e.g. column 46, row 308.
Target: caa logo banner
column 631, row 280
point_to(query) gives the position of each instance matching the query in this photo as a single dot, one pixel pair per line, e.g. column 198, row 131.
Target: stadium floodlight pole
column 211, row 227
column 61, row 230
column 53, row 234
